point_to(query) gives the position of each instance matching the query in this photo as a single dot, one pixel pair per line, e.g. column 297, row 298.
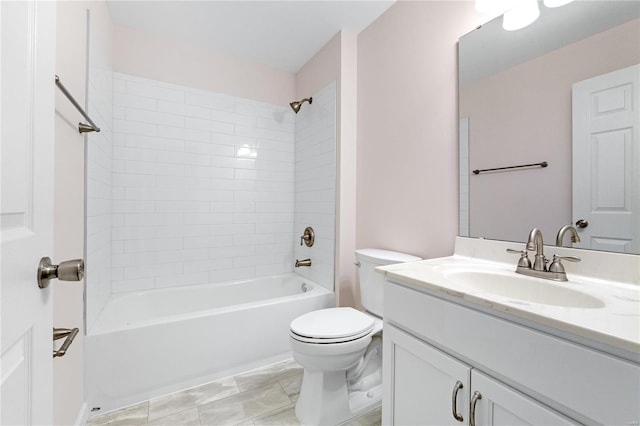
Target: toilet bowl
column 340, row 350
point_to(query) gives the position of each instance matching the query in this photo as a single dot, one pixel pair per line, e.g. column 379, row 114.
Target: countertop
column 616, row 323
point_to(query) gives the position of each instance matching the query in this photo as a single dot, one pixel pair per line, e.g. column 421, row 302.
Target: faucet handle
column 510, row 250
column 569, row 258
column 308, row 237
column 556, row 264
column 524, row 261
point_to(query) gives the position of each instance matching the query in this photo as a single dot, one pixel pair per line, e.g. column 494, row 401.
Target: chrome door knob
column 582, row 223
column 70, row 270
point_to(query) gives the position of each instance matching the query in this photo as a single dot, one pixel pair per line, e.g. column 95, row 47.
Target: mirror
column 542, row 94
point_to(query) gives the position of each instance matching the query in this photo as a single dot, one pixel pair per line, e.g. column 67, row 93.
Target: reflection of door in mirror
column 606, row 151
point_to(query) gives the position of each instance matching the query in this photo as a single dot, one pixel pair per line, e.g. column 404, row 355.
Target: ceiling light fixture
column 520, row 15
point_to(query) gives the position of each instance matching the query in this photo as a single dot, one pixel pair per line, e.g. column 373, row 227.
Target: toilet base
column 326, row 400
column 363, row 402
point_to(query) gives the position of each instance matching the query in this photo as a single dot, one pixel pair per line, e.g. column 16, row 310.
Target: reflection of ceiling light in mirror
column 556, row 3
column 522, row 14
column 247, row 152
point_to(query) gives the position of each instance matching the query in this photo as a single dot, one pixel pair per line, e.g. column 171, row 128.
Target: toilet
column 340, row 349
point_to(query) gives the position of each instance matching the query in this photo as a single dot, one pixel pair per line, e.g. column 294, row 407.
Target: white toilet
column 341, row 350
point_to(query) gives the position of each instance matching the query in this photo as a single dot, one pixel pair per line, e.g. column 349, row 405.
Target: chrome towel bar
column 61, row 333
column 82, row 127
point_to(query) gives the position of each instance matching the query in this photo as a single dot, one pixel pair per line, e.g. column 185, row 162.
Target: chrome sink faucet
column 535, row 243
column 539, row 269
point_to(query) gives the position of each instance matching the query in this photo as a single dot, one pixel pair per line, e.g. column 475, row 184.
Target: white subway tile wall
column 315, row 184
column 189, row 186
column 98, row 177
column 202, row 186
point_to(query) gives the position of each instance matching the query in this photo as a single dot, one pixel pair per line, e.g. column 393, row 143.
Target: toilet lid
column 332, row 323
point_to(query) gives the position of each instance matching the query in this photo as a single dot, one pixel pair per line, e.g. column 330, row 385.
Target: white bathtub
column 145, row 344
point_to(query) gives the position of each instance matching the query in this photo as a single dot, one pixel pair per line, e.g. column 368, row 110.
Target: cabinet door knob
column 474, row 400
column 454, row 398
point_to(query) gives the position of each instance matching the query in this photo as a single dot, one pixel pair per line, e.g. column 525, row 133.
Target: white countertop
column 616, row 323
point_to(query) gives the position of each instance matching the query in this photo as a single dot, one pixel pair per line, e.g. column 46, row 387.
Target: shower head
column 295, row 105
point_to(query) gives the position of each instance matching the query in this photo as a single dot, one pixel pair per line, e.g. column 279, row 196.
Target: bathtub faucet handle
column 308, row 237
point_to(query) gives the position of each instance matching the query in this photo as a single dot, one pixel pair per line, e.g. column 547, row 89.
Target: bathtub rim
column 315, row 290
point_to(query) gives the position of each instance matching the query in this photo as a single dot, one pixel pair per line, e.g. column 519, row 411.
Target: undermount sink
column 521, row 288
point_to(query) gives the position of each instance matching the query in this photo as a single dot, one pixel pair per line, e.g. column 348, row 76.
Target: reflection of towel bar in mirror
column 543, row 164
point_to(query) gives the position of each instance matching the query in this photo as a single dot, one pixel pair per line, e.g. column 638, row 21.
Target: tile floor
column 265, row 396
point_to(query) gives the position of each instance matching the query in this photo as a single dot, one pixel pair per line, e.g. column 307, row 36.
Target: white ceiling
column 281, row 34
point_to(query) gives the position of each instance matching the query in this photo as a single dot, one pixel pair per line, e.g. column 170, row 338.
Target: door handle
column 70, row 270
column 582, row 223
column 61, row 333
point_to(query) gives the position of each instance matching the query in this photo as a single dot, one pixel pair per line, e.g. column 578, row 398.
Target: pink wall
column 504, row 129
column 155, row 57
column 337, row 61
column 407, row 184
column 320, row 70
column 347, row 178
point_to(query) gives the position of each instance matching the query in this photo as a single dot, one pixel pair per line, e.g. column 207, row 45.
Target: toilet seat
column 333, row 325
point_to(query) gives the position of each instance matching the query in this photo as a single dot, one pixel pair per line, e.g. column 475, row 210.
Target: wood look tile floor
column 264, row 396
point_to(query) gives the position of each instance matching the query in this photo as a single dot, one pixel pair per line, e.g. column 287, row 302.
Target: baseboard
column 107, row 406
column 83, row 415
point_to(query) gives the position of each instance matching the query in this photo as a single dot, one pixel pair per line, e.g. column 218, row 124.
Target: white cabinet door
column 27, row 36
column 422, row 382
column 498, row 404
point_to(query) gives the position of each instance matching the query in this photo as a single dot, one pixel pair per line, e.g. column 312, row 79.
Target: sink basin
column 521, row 288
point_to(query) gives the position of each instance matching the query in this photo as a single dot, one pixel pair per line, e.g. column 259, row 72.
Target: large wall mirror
column 561, row 96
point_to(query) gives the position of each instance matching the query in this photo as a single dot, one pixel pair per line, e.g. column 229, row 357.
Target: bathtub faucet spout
column 303, row 262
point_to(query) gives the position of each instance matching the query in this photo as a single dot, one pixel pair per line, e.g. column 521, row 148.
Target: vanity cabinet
column 426, row 383
column 498, row 404
column 524, row 375
column 428, row 387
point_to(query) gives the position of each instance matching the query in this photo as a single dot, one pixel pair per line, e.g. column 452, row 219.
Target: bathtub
column 148, row 343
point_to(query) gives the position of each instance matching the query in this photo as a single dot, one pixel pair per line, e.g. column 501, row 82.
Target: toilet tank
column 370, row 280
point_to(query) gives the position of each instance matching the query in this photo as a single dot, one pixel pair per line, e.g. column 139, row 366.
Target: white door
column 427, row 387
column 495, row 404
column 606, row 161
column 27, row 73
